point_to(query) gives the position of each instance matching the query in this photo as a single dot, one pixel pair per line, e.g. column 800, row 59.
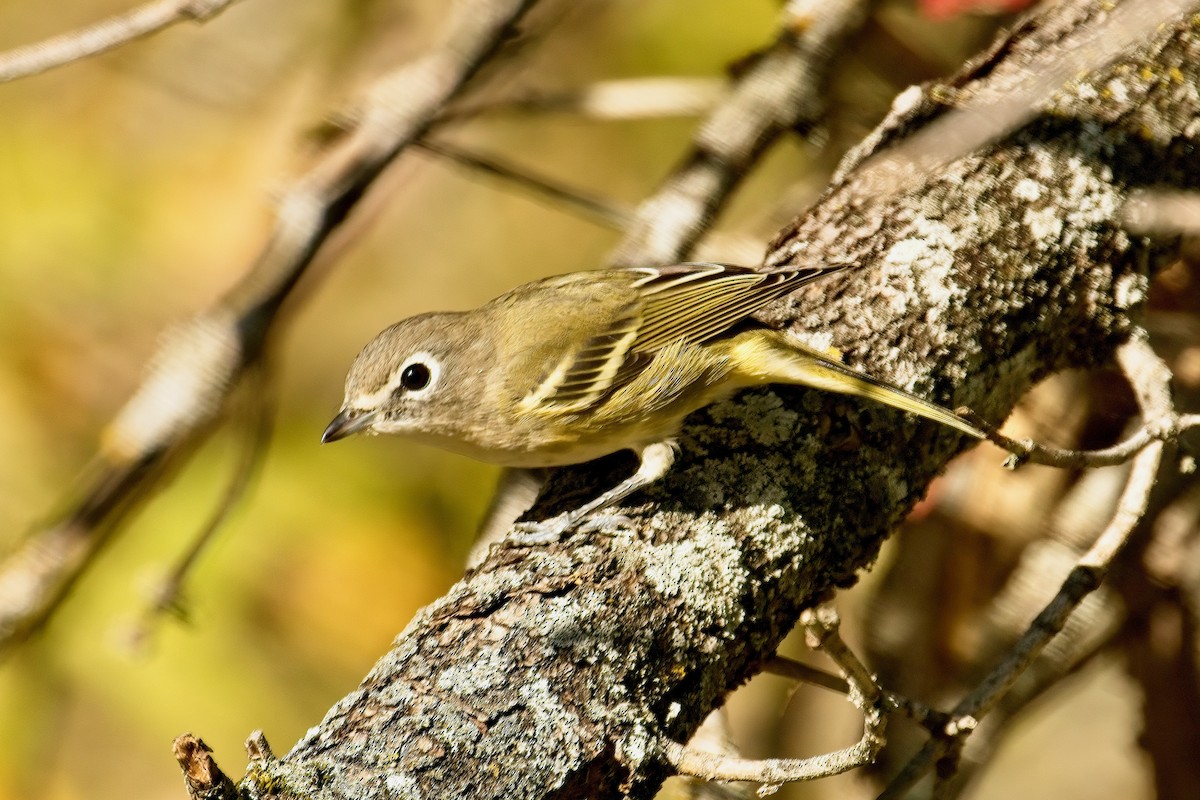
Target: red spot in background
column 945, row 9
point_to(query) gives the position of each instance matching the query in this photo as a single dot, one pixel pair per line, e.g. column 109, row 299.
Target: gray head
column 420, row 377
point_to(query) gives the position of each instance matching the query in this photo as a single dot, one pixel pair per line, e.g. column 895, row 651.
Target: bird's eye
column 415, row 377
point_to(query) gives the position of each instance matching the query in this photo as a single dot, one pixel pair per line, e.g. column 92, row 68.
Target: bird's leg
column 516, row 492
column 655, row 461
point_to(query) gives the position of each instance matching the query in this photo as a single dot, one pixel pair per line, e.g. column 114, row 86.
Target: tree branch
column 107, row 35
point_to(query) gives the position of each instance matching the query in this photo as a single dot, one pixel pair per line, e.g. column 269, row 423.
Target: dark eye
column 415, row 377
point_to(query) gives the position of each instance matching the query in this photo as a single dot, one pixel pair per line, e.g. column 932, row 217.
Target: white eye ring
column 417, row 376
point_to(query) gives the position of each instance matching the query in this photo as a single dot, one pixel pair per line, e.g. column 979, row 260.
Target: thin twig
column 100, row 37
column 622, row 99
column 767, row 771
column 592, row 208
column 790, row 668
column 1150, row 379
column 170, row 593
column 1164, row 427
column 1027, row 451
column 821, row 633
column 713, row 736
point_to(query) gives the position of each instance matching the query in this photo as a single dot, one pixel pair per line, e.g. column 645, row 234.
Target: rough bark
column 556, row 672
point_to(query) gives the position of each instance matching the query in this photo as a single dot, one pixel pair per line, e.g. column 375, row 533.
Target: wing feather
column 583, row 376
column 683, row 303
column 707, row 299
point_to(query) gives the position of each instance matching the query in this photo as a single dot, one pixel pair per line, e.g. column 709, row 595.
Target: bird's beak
column 345, row 423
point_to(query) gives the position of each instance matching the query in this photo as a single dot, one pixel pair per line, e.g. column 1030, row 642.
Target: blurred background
column 135, row 188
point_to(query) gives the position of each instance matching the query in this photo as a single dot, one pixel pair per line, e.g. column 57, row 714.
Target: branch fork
column 821, row 633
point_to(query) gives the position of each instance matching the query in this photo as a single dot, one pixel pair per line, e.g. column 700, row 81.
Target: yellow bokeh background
column 135, row 188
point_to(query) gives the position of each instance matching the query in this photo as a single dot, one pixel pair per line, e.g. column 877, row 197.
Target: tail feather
column 774, row 358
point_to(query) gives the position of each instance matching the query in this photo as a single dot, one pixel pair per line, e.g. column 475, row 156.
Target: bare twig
column 169, row 595
column 1150, row 379
column 767, row 771
column 105, row 35
column 1161, row 423
column 713, row 736
column 794, row 670
column 1027, row 451
column 1158, row 211
column 630, row 98
column 821, row 633
column 595, row 209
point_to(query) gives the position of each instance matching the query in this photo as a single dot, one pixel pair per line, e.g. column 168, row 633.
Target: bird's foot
column 539, row 534
column 555, row 529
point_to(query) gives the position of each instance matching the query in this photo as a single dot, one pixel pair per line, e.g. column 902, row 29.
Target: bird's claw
column 539, row 534
column 606, row 523
column 549, row 531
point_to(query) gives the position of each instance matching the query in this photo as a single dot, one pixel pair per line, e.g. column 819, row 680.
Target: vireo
column 571, row 368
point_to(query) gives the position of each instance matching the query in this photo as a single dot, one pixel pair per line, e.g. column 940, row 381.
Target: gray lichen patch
column 704, row 570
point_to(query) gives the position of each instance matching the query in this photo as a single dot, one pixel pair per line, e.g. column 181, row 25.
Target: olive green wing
column 595, row 318
column 658, row 307
column 695, row 302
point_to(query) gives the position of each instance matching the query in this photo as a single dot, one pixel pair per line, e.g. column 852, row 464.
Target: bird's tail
column 771, row 357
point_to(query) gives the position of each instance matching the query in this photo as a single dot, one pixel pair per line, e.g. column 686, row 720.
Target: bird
column 570, row 368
